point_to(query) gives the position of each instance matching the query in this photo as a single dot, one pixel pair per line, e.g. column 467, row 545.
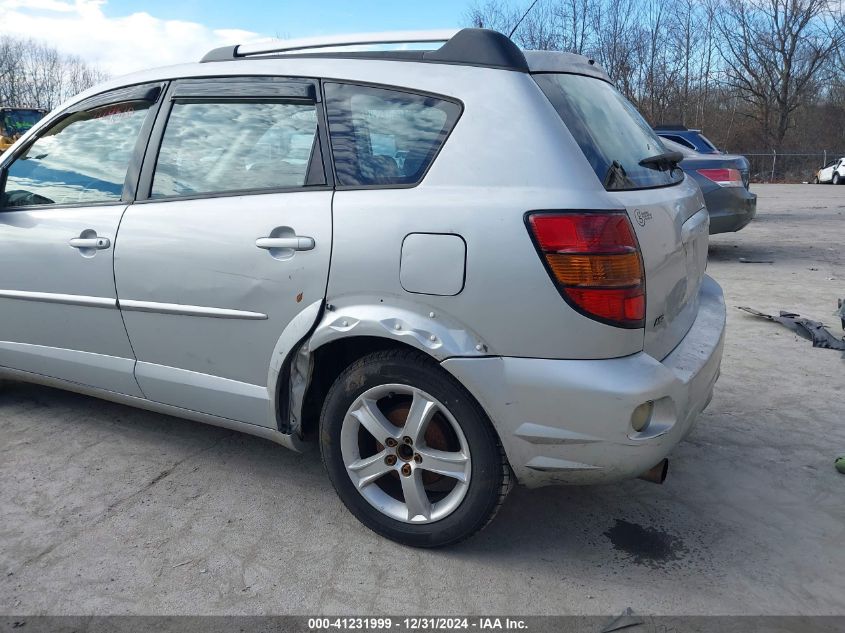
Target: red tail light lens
column 594, row 260
column 723, row 177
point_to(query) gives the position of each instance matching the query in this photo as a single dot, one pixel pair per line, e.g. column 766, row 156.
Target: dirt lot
column 105, row 509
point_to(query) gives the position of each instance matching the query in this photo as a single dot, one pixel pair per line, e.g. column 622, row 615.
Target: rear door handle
column 94, row 243
column 296, row 243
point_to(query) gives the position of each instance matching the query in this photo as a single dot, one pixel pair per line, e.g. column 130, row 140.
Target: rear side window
column 213, row 147
column 385, row 137
column 82, row 159
column 609, row 130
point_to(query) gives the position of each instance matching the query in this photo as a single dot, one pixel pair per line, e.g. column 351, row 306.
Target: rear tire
column 410, row 452
column 837, row 179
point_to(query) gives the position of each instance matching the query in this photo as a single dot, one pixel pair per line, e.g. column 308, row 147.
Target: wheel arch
column 349, row 330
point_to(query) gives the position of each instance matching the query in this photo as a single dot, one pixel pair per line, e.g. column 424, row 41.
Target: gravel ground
column 106, row 509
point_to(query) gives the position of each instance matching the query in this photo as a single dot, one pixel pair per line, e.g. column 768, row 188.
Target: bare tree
column 574, row 17
column 755, row 73
column 775, row 52
column 36, row 75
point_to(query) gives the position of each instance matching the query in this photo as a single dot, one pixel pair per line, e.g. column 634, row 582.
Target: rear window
column 707, row 142
column 678, row 140
column 609, row 130
column 385, row 137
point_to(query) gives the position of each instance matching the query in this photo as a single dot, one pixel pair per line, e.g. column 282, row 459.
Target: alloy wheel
column 406, row 453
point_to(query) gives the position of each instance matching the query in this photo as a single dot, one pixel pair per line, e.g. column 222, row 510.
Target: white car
column 833, row 172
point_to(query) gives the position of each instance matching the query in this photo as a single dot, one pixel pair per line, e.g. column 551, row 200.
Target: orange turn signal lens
column 614, row 271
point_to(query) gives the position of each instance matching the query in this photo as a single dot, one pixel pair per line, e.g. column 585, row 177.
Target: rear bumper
column 730, row 208
column 569, row 421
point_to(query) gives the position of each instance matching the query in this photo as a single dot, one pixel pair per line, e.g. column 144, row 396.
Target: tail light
column 723, row 177
column 594, row 260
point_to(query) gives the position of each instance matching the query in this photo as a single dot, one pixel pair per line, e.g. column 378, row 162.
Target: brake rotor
column 435, row 437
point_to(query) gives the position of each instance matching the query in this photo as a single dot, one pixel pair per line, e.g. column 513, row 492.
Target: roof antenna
column 524, row 15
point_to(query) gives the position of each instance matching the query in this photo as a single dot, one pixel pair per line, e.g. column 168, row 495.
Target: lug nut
column 406, row 470
column 391, row 442
column 418, row 458
column 407, row 440
column 390, row 460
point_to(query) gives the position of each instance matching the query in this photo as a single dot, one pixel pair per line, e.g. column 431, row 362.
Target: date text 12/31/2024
column 417, row 624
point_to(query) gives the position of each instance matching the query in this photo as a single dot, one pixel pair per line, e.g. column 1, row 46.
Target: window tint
column 609, row 130
column 82, row 159
column 680, row 140
column 672, row 146
column 385, row 137
column 707, row 142
column 229, row 146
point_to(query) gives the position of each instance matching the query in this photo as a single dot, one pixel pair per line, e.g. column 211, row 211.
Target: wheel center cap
column 405, row 452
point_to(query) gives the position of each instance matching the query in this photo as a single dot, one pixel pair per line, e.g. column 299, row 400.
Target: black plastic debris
column 842, row 312
column 806, row 328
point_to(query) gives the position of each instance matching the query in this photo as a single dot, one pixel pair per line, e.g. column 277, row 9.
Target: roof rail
column 357, row 39
column 474, row 47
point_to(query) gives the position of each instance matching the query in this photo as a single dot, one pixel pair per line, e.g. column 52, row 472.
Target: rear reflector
column 595, row 262
column 723, row 177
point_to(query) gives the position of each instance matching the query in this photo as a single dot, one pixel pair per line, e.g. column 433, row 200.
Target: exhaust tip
column 657, row 473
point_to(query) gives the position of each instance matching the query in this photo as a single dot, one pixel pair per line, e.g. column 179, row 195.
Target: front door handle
column 91, row 243
column 296, row 243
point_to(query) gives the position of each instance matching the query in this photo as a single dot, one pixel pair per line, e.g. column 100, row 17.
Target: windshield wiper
column 666, row 159
column 615, row 172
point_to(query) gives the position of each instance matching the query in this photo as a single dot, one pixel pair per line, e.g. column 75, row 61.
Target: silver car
column 453, row 267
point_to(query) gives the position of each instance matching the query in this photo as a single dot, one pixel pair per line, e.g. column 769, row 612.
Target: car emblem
column 642, row 216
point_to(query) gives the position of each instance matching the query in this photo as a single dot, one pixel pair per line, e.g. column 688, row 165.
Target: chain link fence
column 788, row 166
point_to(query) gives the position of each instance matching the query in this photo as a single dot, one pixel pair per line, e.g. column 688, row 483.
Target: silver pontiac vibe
column 453, row 267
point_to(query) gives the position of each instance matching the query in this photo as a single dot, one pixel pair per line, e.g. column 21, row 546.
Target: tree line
column 37, row 75
column 753, row 74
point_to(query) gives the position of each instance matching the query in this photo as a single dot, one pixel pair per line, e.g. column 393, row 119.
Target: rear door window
column 385, row 137
column 612, row 134
column 82, row 159
column 212, row 147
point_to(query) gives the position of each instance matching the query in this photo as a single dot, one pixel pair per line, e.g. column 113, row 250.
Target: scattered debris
column 187, row 562
column 746, row 260
column 624, row 621
column 840, row 464
column 806, row 328
column 841, row 304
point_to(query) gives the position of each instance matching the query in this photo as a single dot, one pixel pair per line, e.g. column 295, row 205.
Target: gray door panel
column 205, row 306
column 202, row 392
column 58, row 303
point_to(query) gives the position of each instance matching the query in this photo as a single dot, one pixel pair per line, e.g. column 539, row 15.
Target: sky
column 122, row 36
